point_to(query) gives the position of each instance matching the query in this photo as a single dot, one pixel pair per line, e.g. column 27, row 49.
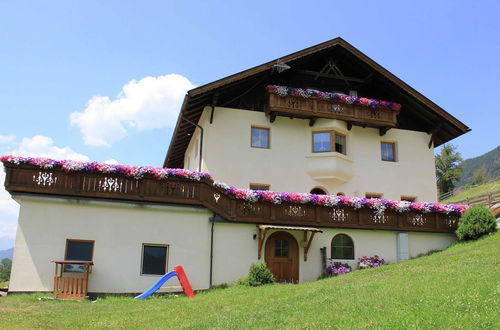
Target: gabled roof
column 418, row 113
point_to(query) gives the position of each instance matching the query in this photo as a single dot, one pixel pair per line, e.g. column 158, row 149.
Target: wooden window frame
column 333, row 134
column 395, row 155
column 166, row 257
column 268, row 136
column 408, row 198
column 259, row 185
column 66, row 252
column 373, row 195
column 331, row 248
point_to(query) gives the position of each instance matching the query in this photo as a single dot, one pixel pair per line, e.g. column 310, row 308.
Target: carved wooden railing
column 311, row 107
column 31, row 179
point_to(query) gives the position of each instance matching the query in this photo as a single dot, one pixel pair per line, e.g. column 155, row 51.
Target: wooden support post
column 349, row 125
column 308, row 245
column 312, row 121
column 272, row 117
column 262, row 237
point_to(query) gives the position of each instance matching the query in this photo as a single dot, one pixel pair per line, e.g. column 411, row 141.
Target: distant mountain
column 7, row 254
column 490, row 161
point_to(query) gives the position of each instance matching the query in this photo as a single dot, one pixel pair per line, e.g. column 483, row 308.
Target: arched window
column 318, row 191
column 342, row 247
column 340, row 194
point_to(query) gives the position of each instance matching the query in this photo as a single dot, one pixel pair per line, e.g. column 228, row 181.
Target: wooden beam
column 432, row 132
column 262, row 238
column 349, row 125
column 306, row 248
column 383, row 130
column 272, row 117
column 331, row 76
column 312, row 121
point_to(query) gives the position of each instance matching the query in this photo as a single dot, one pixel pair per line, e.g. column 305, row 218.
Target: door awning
column 306, row 243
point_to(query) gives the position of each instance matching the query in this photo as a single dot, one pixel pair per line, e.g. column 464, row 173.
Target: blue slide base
column 157, row 285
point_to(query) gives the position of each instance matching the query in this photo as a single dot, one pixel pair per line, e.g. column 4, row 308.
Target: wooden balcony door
column 282, row 257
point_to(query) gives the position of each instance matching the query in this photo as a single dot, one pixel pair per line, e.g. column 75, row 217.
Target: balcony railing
column 317, row 108
column 32, row 179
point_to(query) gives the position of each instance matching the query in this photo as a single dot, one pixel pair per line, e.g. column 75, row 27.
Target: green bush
column 474, row 223
column 5, row 267
column 259, row 274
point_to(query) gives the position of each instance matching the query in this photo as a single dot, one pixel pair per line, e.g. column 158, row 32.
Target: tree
column 480, row 175
column 5, row 266
column 448, row 168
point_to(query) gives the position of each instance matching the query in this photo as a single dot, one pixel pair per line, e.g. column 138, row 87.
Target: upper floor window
column 373, row 195
column 259, row 186
column 409, row 198
column 318, row 191
column 388, row 150
column 260, row 137
column 327, row 141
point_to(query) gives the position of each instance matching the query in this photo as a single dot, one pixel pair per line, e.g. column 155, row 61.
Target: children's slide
column 181, row 275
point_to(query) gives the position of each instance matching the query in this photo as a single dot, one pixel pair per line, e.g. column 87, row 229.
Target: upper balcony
column 308, row 103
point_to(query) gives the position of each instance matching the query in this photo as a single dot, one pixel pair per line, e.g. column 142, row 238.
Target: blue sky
column 60, row 58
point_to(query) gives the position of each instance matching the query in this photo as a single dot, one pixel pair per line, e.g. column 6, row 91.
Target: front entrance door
column 282, row 257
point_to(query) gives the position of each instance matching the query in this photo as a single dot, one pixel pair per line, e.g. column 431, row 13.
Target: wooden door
column 282, row 257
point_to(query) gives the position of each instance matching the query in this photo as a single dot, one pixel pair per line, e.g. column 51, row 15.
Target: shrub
column 5, row 267
column 338, row 268
column 259, row 274
column 371, row 262
column 474, row 223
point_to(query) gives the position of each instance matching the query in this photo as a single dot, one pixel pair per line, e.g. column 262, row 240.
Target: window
column 79, row 250
column 259, row 186
column 388, row 150
column 328, row 141
column 318, row 191
column 373, row 195
column 260, row 137
column 340, row 194
column 342, row 247
column 154, row 259
column 281, row 248
column 409, row 198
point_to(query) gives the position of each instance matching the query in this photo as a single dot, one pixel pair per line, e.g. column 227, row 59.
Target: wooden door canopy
column 306, row 243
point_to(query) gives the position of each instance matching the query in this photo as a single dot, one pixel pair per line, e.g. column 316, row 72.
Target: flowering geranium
column 138, row 172
column 337, row 97
column 338, row 268
column 370, row 262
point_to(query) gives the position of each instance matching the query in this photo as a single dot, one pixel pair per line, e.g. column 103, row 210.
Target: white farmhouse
column 352, row 143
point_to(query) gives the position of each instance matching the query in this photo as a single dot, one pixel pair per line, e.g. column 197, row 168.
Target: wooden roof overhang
column 245, row 90
column 305, row 243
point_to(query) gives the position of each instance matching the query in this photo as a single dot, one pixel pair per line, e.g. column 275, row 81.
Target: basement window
column 154, row 259
column 342, row 247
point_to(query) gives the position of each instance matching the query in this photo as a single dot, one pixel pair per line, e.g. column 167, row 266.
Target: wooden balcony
column 34, row 180
column 317, row 108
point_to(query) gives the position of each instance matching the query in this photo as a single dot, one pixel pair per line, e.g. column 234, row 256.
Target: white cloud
column 150, row 103
column 43, row 146
column 111, row 161
column 6, row 139
column 36, row 146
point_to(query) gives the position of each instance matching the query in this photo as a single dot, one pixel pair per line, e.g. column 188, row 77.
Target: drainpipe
column 212, row 220
column 201, row 139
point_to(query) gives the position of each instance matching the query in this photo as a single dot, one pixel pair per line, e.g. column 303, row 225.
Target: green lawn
column 4, row 284
column 455, row 288
column 476, row 191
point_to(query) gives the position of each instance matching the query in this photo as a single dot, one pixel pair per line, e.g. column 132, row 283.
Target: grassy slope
column 455, row 288
column 476, row 191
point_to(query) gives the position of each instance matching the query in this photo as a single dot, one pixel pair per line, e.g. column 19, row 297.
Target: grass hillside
column 455, row 288
column 476, row 191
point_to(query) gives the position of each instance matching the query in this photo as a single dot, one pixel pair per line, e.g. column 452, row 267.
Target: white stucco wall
column 227, row 155
column 119, row 230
